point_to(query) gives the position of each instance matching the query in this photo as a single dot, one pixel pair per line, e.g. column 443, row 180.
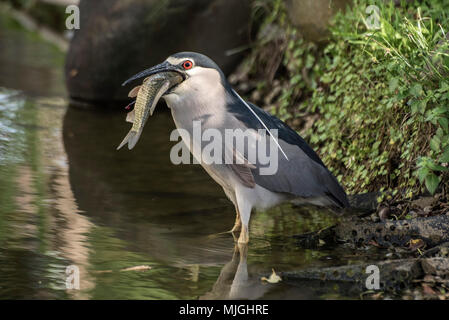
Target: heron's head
column 201, row 75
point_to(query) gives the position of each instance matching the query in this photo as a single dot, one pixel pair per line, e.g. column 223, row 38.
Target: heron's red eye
column 187, row 65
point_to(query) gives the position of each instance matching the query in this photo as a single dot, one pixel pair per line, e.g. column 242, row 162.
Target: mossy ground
column 372, row 102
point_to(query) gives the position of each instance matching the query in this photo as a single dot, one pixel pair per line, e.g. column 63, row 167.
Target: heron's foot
column 216, row 235
column 237, row 226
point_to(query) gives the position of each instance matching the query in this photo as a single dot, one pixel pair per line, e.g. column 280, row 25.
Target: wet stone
column 432, row 230
column 436, row 266
column 394, row 275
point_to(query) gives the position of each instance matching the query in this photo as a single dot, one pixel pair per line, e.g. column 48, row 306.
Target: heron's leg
column 238, row 222
column 244, row 235
column 244, row 208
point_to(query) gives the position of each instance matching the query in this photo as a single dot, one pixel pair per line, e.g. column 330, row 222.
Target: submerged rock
column 432, row 230
column 412, row 255
column 411, row 233
column 394, row 275
column 117, row 39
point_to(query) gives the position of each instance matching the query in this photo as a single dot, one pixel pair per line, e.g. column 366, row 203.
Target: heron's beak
column 160, row 68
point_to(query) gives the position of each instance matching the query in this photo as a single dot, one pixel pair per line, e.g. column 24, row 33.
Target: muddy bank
column 408, row 240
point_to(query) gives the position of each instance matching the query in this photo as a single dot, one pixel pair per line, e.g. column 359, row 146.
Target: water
column 67, row 197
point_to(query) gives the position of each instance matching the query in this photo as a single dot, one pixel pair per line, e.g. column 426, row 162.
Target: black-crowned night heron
column 293, row 171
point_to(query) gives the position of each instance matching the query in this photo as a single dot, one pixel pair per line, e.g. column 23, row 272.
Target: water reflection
column 153, row 204
column 168, row 215
column 38, row 213
column 234, row 281
column 68, row 197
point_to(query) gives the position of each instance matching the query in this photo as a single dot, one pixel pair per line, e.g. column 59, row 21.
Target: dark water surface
column 67, row 197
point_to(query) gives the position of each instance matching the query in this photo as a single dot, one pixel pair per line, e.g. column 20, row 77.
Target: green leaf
column 416, row 90
column 436, row 167
column 422, row 174
column 393, row 84
column 417, row 105
column 435, row 144
column 444, row 87
column 326, row 78
column 445, row 156
column 444, row 123
column 432, row 182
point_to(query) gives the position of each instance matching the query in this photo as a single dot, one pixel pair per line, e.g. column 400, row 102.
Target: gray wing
column 243, row 170
column 303, row 174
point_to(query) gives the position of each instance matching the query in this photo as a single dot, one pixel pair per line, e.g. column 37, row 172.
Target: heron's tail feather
column 335, row 192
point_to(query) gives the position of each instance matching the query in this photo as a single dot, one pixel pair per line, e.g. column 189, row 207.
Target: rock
column 414, row 214
column 312, row 16
column 384, row 213
column 374, row 217
column 432, row 230
column 427, row 210
column 119, row 38
column 436, row 266
column 394, row 274
column 441, row 250
column 424, row 202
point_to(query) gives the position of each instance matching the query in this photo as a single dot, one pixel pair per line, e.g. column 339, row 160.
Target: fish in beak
column 158, row 80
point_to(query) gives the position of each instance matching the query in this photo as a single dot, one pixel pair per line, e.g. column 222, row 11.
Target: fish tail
column 131, row 134
column 133, row 140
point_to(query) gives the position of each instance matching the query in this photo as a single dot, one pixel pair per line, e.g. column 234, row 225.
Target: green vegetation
column 48, row 14
column 373, row 102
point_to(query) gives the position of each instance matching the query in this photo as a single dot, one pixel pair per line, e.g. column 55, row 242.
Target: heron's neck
column 206, row 104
